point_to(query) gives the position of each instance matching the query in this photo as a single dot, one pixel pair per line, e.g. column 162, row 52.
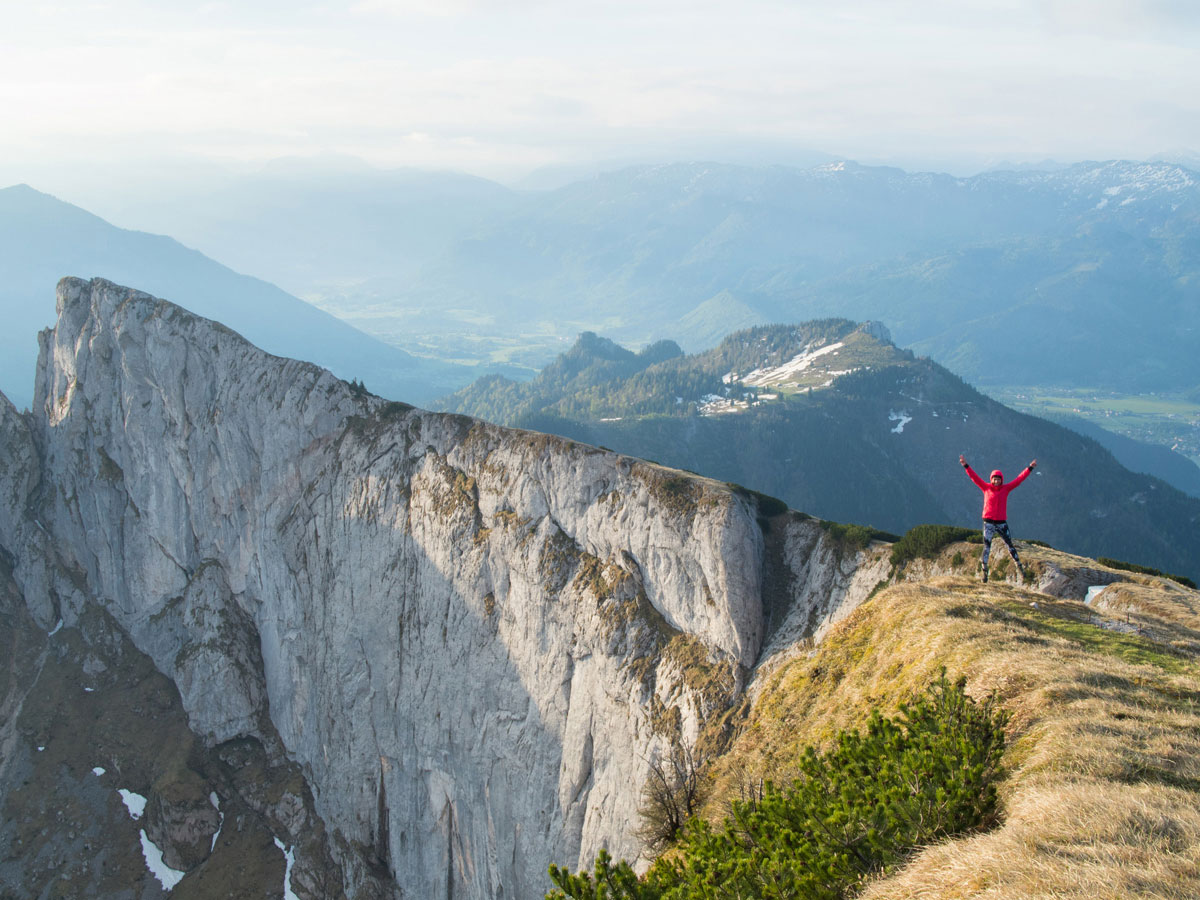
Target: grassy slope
column 1102, row 795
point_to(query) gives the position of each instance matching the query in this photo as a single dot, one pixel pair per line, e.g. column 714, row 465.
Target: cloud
column 1170, row 20
column 539, row 81
column 443, row 9
column 548, row 106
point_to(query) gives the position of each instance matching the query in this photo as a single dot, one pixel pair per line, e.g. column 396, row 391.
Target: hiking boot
column 985, row 576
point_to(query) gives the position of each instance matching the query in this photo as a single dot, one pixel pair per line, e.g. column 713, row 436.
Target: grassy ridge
column 857, row 810
column 1100, row 789
column 1102, row 798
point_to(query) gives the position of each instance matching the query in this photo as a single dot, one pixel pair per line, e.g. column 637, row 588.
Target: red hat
column 996, row 472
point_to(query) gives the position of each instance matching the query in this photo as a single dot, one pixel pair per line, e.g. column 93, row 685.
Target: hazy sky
column 499, row 88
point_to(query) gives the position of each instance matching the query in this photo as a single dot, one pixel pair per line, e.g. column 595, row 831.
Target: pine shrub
column 607, row 882
column 1144, row 570
column 926, row 541
column 849, row 538
column 854, row 812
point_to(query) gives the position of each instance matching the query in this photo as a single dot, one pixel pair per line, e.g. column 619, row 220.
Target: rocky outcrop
column 473, row 640
column 822, row 580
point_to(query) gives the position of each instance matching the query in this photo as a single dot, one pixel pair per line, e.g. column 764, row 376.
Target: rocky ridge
column 835, row 421
column 468, row 642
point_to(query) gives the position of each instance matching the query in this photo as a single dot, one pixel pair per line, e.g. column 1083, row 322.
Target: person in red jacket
column 995, row 510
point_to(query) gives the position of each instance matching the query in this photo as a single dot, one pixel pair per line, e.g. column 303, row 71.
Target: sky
column 499, row 89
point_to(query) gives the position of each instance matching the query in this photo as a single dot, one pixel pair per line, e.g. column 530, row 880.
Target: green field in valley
column 1172, row 420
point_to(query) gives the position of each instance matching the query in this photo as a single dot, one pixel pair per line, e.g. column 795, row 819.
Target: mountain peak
column 877, row 330
column 23, row 206
column 43, row 238
column 592, row 346
column 21, row 189
column 660, row 351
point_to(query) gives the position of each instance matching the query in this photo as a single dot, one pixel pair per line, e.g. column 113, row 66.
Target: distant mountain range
column 1086, row 275
column 833, row 419
column 43, row 239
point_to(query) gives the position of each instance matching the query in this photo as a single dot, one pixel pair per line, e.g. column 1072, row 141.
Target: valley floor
column 1168, row 420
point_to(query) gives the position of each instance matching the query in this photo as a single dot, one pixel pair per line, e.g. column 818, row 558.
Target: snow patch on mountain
column 716, row 405
column 289, row 855
column 157, row 866
column 782, row 374
column 135, row 803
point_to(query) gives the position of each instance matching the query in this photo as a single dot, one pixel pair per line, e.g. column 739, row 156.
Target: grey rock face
column 877, row 330
column 472, row 639
column 183, row 825
column 824, row 583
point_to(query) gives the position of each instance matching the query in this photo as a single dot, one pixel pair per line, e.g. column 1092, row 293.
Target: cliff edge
column 456, row 648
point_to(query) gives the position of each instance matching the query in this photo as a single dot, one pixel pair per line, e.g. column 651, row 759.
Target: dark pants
column 990, row 531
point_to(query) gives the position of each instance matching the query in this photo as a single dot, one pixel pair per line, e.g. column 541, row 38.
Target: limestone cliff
column 473, row 641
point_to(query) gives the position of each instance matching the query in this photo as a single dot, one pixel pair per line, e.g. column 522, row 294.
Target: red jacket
column 995, row 499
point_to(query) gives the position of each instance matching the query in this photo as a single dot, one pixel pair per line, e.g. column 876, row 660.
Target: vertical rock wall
column 440, row 618
column 473, row 640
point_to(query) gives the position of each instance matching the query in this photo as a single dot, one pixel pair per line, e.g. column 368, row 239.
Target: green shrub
column 926, row 541
column 608, row 882
column 856, row 811
column 851, row 538
column 1144, row 570
column 766, row 505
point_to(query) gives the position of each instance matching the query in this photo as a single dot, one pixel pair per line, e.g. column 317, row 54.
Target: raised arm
column 979, row 482
column 1024, row 474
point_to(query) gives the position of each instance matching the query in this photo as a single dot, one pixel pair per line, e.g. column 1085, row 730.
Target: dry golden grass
column 1162, row 609
column 1102, row 790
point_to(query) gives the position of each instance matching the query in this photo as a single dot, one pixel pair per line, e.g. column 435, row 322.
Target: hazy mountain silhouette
column 1084, row 275
column 43, row 239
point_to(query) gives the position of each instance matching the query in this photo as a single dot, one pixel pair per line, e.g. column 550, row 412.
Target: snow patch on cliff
column 135, row 803
column 166, row 876
column 289, row 856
